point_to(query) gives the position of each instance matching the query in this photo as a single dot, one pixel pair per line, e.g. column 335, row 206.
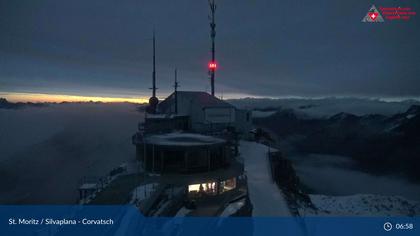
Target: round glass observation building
column 183, row 153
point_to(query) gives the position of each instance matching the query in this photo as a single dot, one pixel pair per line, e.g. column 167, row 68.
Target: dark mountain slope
column 380, row 144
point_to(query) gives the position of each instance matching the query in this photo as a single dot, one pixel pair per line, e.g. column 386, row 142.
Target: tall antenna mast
column 154, row 66
column 212, row 64
column 153, row 101
column 176, row 85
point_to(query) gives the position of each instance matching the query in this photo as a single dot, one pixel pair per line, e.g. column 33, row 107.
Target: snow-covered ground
column 268, row 200
column 365, row 205
column 142, row 192
column 233, row 207
column 182, row 212
column 266, row 197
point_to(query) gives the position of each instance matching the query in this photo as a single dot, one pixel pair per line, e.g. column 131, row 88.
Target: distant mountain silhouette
column 4, row 104
column 382, row 144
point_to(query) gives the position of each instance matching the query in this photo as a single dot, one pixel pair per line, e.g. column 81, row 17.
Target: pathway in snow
column 266, row 197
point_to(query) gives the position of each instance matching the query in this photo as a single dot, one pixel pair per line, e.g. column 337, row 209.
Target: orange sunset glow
column 40, row 97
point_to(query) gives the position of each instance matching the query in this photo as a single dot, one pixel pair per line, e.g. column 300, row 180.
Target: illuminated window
column 227, row 185
column 203, row 188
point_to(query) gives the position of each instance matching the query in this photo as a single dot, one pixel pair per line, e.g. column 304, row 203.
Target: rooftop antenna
column 154, row 66
column 176, row 85
column 153, row 101
column 212, row 64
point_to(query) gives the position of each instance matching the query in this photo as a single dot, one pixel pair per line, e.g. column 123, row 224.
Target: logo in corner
column 373, row 16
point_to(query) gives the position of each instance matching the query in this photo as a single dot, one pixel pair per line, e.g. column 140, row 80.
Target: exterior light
column 212, row 65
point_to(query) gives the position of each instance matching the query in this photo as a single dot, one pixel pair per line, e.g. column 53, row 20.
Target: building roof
column 183, row 139
column 202, row 99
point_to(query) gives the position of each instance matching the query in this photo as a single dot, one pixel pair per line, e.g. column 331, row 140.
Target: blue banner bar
column 127, row 220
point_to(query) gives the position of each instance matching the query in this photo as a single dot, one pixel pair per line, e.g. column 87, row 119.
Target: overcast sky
column 264, row 47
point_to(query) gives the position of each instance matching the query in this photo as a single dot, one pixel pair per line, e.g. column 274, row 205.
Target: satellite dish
column 153, row 101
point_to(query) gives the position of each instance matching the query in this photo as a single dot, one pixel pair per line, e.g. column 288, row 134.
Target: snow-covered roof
column 182, row 139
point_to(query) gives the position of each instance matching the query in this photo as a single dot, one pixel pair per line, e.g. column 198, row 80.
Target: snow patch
column 410, row 116
column 143, row 192
column 232, row 208
column 365, row 205
column 182, row 212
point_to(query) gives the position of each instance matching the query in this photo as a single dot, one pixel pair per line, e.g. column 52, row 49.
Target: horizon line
column 59, row 98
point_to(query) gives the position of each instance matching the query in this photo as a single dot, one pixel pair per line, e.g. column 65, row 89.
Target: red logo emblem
column 373, row 15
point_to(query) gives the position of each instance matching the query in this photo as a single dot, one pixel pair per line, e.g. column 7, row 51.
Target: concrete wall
column 243, row 121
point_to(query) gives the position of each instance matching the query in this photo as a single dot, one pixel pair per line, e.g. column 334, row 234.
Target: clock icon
column 387, row 226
